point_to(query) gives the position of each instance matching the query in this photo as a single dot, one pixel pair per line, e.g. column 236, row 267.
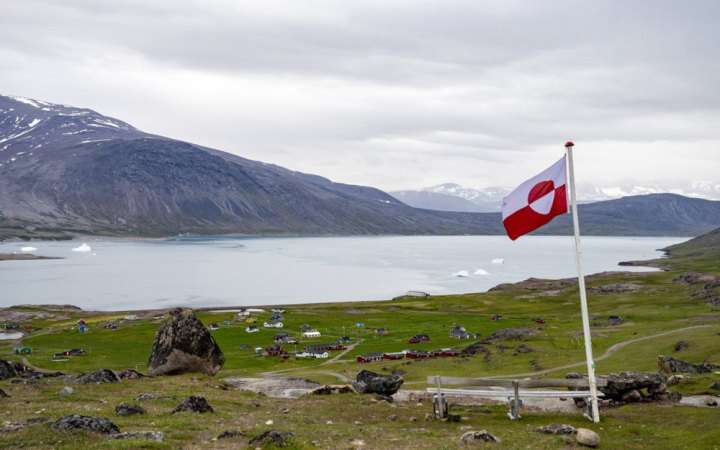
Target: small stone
column 286, row 411
column 392, row 417
column 428, row 417
column 711, row 401
column 130, row 374
column 557, row 428
column 124, row 409
column 269, row 422
column 3, row 394
column 329, row 422
column 681, row 345
column 146, row 396
column 473, row 437
column 357, row 443
column 157, row 436
column 586, row 437
column 675, row 379
column 357, row 422
column 194, row 404
column 453, row 417
column 65, row 391
column 229, row 434
column 412, row 419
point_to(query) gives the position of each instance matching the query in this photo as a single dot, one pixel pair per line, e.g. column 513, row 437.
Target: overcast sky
column 393, row 94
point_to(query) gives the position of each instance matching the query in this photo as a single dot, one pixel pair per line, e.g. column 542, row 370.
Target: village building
column 370, row 357
column 418, row 338
column 273, row 324
column 458, row 332
column 344, row 340
column 284, row 338
column 252, row 329
column 381, row 331
column 394, row 356
column 311, row 334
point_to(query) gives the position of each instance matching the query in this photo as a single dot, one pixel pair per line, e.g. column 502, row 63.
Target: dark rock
column 472, row 437
column 711, row 401
column 99, row 376
column 145, row 396
column 523, row 348
column 615, row 320
column 333, row 389
column 9, row 427
column 183, row 344
column 229, row 434
column 130, row 374
column 368, row 382
column 75, row 422
column 668, row 364
column 3, row 394
column 557, row 428
column 157, row 436
column 124, row 409
column 383, row 398
column 194, row 404
column 274, row 437
column 8, row 369
column 620, row 386
column 681, row 345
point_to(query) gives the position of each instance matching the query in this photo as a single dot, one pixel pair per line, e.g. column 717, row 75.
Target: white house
column 252, row 329
column 311, row 334
column 273, row 324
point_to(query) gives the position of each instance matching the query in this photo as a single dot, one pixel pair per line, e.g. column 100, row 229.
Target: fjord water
column 220, row 271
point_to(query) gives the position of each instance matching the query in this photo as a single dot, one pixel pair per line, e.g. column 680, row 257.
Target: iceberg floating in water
column 498, row 261
column 481, row 272
column 82, row 248
column 28, row 249
column 461, row 274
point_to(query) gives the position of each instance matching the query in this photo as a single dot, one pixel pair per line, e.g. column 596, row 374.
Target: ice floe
column 28, row 249
column 498, row 261
column 461, row 274
column 82, row 248
column 481, row 272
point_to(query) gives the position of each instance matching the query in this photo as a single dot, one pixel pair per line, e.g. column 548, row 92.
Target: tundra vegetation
column 635, row 318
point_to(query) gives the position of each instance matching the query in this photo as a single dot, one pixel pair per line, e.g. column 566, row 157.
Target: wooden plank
column 508, row 383
column 511, row 393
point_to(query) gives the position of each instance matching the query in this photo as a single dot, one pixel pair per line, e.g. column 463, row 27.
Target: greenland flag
column 536, row 202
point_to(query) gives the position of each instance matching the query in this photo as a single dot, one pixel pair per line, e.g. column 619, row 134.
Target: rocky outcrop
column 194, row 404
column 629, row 387
column 8, row 369
column 367, row 382
column 98, row 377
column 3, row 394
column 696, row 278
column 333, row 389
column 272, row 437
column 12, row 369
column 474, row 349
column 75, row 422
column 183, row 344
column 230, row 434
column 509, row 334
column 616, row 288
column 668, row 364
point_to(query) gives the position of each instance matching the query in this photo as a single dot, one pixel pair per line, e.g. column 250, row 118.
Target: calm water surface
column 199, row 272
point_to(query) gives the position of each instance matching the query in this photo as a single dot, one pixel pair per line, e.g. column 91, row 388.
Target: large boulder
column 668, row 364
column 194, row 404
column 368, row 382
column 8, row 369
column 587, row 437
column 183, row 344
column 75, row 422
column 272, row 437
column 628, row 387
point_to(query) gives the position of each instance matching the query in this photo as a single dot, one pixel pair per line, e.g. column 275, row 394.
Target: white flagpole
column 581, row 283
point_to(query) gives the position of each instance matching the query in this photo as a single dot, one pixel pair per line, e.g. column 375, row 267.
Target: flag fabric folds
column 537, row 201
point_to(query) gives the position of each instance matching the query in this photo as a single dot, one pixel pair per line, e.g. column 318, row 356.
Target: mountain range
column 72, row 170
column 454, row 197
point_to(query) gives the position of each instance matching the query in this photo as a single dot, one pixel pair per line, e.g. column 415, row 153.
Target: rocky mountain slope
column 71, row 170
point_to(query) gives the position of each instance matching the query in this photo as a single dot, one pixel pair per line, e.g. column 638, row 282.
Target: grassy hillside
column 657, row 312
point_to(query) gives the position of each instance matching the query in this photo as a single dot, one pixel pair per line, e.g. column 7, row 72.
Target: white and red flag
column 537, row 201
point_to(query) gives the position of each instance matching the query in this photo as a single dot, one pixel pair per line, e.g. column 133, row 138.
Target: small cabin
column 418, row 338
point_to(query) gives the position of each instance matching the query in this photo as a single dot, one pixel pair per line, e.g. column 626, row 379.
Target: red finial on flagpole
column 569, row 144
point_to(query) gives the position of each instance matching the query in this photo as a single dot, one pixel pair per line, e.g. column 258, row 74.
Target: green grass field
column 655, row 317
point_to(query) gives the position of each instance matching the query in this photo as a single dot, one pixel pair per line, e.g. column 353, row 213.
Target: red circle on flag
column 540, row 190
